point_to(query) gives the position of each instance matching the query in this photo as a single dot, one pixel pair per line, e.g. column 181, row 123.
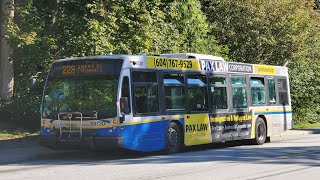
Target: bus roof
column 187, row 62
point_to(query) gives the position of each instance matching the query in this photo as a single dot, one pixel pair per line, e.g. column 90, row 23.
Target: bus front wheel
column 173, row 138
column 260, row 132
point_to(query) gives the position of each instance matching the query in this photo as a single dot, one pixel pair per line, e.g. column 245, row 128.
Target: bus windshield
column 80, row 90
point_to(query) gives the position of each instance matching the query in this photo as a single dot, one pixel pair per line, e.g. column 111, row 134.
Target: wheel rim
column 261, row 132
column 172, row 137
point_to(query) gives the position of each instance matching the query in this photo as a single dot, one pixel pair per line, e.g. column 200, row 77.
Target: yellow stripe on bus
column 253, row 127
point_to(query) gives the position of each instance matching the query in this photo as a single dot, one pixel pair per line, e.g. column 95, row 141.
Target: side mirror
column 33, row 80
column 124, row 105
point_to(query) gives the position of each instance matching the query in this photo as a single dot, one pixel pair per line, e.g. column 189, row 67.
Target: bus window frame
column 129, row 92
column 134, row 84
column 265, row 89
column 226, row 76
column 163, row 108
column 246, row 76
column 187, row 91
column 277, row 90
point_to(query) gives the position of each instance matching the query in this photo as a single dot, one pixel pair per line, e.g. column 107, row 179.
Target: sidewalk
column 294, row 133
column 21, row 150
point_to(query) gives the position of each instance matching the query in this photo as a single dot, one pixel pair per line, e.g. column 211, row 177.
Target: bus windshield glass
column 85, row 86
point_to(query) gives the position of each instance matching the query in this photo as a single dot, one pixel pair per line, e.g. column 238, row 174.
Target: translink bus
column 163, row 102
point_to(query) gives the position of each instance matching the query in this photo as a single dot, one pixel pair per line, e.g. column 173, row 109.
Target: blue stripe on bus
column 287, row 112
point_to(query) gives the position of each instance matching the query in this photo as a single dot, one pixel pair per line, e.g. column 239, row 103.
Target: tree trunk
column 6, row 64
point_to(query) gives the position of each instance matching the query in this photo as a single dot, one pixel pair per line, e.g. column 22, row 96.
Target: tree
column 6, row 67
column 196, row 33
column 272, row 32
column 46, row 30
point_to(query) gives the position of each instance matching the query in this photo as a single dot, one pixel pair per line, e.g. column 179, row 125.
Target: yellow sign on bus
column 264, row 69
column 172, row 63
column 197, row 129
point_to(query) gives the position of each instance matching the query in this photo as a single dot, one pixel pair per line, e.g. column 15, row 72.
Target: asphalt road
column 285, row 158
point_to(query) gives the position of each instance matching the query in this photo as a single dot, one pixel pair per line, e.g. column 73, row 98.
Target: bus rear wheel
column 260, row 132
column 173, row 138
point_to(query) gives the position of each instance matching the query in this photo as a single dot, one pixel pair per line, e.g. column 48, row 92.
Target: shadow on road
column 309, row 156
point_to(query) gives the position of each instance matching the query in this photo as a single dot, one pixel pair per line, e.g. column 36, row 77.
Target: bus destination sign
column 81, row 69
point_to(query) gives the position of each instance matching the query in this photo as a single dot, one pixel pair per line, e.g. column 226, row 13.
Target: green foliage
column 268, row 32
column 46, row 30
column 272, row 32
column 307, row 125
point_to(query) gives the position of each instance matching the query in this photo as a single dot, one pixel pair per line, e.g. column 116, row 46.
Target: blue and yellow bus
column 163, row 102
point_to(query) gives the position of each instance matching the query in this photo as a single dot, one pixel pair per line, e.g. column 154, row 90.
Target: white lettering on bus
column 216, row 66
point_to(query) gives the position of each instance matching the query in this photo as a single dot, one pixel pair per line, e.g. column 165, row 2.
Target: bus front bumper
column 95, row 143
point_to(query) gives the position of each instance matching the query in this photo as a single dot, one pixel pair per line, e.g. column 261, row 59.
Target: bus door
column 125, row 99
column 197, row 124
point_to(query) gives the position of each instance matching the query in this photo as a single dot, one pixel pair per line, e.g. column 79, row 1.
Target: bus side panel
column 197, row 129
column 279, row 119
column 45, row 131
column 127, row 133
column 148, row 136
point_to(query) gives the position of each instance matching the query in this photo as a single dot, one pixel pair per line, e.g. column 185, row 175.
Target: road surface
column 286, row 158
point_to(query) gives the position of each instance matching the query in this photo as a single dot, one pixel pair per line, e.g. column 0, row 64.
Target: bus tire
column 260, row 132
column 173, row 138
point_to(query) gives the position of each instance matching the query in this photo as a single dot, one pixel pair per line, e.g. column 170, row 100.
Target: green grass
column 11, row 131
column 5, row 135
column 306, row 125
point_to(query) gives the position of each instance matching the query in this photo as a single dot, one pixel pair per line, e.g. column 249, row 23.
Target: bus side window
column 125, row 90
column 272, row 91
column 283, row 91
column 239, row 92
column 218, row 90
column 258, row 91
column 197, row 92
column 145, row 89
column 174, row 92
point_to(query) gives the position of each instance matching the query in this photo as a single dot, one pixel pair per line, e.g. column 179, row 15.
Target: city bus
column 163, row 102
